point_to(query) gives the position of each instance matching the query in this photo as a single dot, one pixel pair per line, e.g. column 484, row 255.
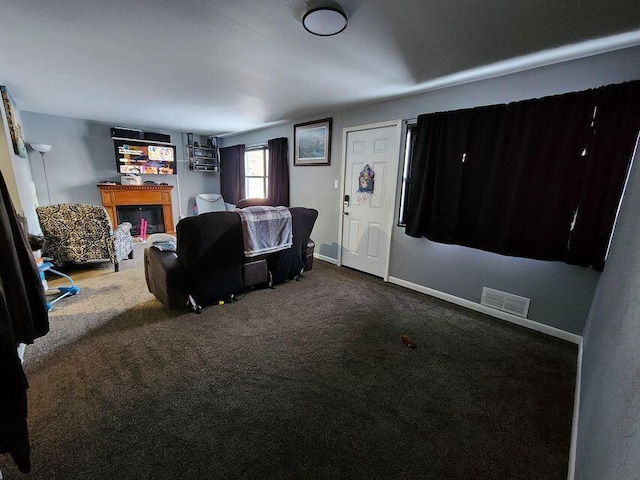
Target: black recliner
column 209, row 264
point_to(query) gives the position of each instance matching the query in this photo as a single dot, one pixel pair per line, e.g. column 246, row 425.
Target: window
column 256, row 172
column 408, row 153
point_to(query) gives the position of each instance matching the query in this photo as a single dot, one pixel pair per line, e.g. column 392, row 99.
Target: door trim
column 389, row 221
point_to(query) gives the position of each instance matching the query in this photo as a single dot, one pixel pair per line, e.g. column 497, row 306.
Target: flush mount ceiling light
column 325, row 21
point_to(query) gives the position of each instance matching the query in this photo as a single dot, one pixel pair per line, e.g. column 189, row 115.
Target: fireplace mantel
column 122, row 195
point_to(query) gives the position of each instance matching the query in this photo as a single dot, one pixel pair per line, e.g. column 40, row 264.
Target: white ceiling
column 215, row 66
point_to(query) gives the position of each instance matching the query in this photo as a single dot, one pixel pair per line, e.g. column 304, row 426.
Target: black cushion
column 210, row 250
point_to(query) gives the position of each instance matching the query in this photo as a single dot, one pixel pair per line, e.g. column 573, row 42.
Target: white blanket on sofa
column 265, row 229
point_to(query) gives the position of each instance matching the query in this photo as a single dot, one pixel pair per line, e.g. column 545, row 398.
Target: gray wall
column 609, row 428
column 83, row 154
column 311, row 187
column 560, row 294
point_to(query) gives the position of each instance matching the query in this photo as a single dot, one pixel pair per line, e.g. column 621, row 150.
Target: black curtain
column 279, row 171
column 434, row 187
column 232, row 173
column 510, row 178
column 615, row 131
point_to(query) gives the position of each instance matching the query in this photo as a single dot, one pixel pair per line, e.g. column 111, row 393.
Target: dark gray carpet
column 307, row 381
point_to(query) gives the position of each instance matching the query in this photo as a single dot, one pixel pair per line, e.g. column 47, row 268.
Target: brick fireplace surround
column 114, row 196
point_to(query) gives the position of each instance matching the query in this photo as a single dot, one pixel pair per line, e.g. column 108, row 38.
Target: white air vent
column 506, row 302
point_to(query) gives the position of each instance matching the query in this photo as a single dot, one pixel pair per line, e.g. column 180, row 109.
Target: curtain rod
column 256, row 145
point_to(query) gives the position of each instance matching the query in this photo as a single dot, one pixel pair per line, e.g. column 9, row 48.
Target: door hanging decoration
column 365, row 184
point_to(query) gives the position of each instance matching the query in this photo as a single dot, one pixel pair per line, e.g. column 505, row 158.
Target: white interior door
column 368, row 217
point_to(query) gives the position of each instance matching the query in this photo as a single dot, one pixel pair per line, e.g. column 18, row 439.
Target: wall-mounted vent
column 506, row 302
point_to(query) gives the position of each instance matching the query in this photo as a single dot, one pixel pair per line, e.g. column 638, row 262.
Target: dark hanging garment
column 23, row 318
column 14, row 437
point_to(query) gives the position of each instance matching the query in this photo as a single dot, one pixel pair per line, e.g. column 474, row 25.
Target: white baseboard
column 524, row 322
column 576, row 416
column 324, row 258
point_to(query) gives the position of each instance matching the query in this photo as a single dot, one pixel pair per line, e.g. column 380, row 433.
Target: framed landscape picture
column 312, row 143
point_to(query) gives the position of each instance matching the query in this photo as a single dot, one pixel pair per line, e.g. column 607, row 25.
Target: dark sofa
column 209, row 264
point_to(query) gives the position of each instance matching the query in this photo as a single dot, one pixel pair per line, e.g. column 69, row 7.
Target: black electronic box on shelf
column 157, row 137
column 121, row 132
column 135, row 134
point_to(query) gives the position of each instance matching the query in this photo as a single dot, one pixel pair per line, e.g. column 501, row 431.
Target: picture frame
column 312, row 143
column 14, row 123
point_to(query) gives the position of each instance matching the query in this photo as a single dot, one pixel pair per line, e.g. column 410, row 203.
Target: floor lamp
column 43, row 148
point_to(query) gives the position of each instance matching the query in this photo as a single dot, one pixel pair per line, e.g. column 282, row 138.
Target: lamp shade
column 41, row 147
column 325, row 21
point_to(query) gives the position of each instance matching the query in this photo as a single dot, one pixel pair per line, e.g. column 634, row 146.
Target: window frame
column 265, row 178
column 409, row 143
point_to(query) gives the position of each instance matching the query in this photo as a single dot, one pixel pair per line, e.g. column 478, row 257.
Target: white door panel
column 366, row 227
column 374, row 240
column 353, row 235
column 358, row 147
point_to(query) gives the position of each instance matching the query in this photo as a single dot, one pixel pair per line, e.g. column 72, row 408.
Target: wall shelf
column 202, row 159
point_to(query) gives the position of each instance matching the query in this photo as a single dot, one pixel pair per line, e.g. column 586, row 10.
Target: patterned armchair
column 75, row 232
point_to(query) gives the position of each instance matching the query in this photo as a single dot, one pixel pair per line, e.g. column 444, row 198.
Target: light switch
column 335, row 184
